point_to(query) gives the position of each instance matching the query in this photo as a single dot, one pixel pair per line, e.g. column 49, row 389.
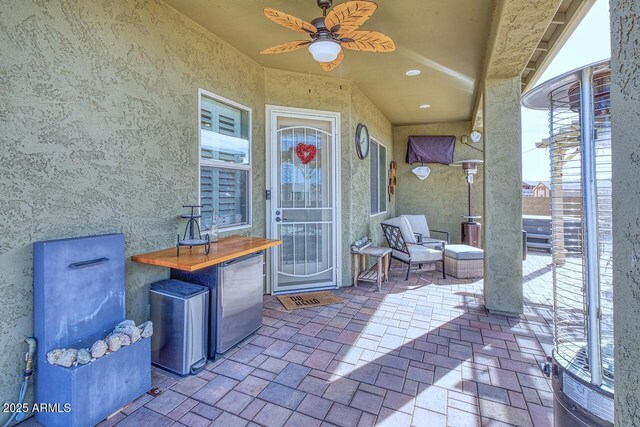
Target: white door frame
column 272, row 113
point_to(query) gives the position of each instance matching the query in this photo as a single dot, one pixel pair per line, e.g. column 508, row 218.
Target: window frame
column 386, row 175
column 227, row 165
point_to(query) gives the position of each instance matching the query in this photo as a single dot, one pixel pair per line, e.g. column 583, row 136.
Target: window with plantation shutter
column 225, row 162
column 378, row 178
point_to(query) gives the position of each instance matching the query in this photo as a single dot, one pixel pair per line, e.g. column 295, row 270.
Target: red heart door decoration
column 306, row 152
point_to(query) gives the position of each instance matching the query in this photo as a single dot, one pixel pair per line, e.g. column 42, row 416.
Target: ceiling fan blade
column 289, row 21
column 286, row 47
column 368, row 41
column 349, row 16
column 328, row 66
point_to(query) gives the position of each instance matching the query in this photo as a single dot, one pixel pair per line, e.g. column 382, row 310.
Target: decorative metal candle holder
column 191, row 227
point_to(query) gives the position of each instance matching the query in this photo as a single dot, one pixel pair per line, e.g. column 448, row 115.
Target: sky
column 590, row 42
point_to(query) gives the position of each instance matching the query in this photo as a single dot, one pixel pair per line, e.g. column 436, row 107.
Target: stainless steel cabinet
column 239, row 302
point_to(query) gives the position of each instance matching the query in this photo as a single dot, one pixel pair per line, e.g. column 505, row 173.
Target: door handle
column 89, row 263
column 278, row 219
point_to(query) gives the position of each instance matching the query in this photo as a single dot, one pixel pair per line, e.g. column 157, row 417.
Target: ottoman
column 464, row 262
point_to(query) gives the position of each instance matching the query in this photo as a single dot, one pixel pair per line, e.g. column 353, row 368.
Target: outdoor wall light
column 325, row 50
column 422, row 172
column 475, row 136
column 425, row 106
column 412, row 73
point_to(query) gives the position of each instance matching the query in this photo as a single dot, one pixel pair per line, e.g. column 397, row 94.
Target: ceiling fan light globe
column 325, row 50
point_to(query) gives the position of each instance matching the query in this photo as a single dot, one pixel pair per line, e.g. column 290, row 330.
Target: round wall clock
column 362, row 141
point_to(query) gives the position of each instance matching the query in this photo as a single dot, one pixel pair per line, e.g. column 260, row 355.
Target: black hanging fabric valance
column 431, row 149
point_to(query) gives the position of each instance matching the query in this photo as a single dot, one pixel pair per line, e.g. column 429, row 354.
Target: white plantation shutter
column 224, row 163
column 378, row 178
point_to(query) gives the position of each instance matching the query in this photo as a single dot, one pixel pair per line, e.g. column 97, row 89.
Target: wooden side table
column 377, row 273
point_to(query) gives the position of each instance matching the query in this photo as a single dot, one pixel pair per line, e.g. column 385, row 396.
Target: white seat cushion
column 404, row 227
column 400, row 255
column 418, row 224
column 420, row 253
column 463, row 252
column 432, row 243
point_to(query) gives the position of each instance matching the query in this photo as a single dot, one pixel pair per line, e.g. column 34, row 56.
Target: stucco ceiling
column 446, row 40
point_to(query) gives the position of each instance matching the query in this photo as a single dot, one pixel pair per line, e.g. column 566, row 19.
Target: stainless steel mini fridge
column 180, row 315
column 239, row 302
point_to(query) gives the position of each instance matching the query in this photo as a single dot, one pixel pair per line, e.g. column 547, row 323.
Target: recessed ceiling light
column 413, row 72
column 424, row 106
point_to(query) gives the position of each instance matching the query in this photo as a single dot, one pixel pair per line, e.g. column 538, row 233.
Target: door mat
column 308, row 300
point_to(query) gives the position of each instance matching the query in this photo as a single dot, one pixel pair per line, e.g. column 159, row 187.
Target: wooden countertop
column 194, row 259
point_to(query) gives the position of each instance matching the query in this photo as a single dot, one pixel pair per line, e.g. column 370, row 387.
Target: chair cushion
column 432, row 243
column 404, row 227
column 418, row 224
column 420, row 253
column 463, row 252
column 400, row 255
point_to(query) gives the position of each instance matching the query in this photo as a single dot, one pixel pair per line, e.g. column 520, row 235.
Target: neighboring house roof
column 536, row 183
column 542, row 185
column 529, row 187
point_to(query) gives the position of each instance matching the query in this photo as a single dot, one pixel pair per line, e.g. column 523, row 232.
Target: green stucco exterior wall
column 503, row 291
column 99, row 122
column 443, row 195
column 625, row 113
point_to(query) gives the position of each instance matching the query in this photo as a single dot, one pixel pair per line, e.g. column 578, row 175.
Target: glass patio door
column 303, row 202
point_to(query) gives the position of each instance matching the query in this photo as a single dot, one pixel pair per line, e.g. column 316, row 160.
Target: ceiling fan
column 332, row 31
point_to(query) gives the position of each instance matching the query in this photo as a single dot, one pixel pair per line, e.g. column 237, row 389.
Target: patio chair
column 420, row 228
column 405, row 247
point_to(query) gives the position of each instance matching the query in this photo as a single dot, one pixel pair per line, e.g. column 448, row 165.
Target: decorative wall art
column 393, row 170
column 306, row 152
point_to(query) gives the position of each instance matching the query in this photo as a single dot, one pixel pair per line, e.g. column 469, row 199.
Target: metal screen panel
column 570, row 321
column 580, row 143
column 602, row 136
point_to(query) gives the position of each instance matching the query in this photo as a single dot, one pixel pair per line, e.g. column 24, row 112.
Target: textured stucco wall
column 362, row 223
column 443, row 195
column 503, row 196
column 98, row 119
column 291, row 89
column 625, row 104
column 517, row 28
column 99, row 122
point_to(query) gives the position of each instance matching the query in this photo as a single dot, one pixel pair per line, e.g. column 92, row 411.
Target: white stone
column 132, row 332
column 122, row 325
column 146, row 329
column 54, row 355
column 84, row 356
column 99, row 348
column 67, row 358
column 114, row 342
column 124, row 339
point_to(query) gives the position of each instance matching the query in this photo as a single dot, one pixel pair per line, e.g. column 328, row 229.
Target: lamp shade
column 325, row 50
column 422, row 172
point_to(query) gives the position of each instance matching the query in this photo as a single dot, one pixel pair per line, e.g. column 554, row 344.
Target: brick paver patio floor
column 421, row 352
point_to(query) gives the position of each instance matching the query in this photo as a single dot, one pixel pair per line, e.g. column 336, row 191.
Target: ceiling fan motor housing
column 319, row 24
column 324, row 4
